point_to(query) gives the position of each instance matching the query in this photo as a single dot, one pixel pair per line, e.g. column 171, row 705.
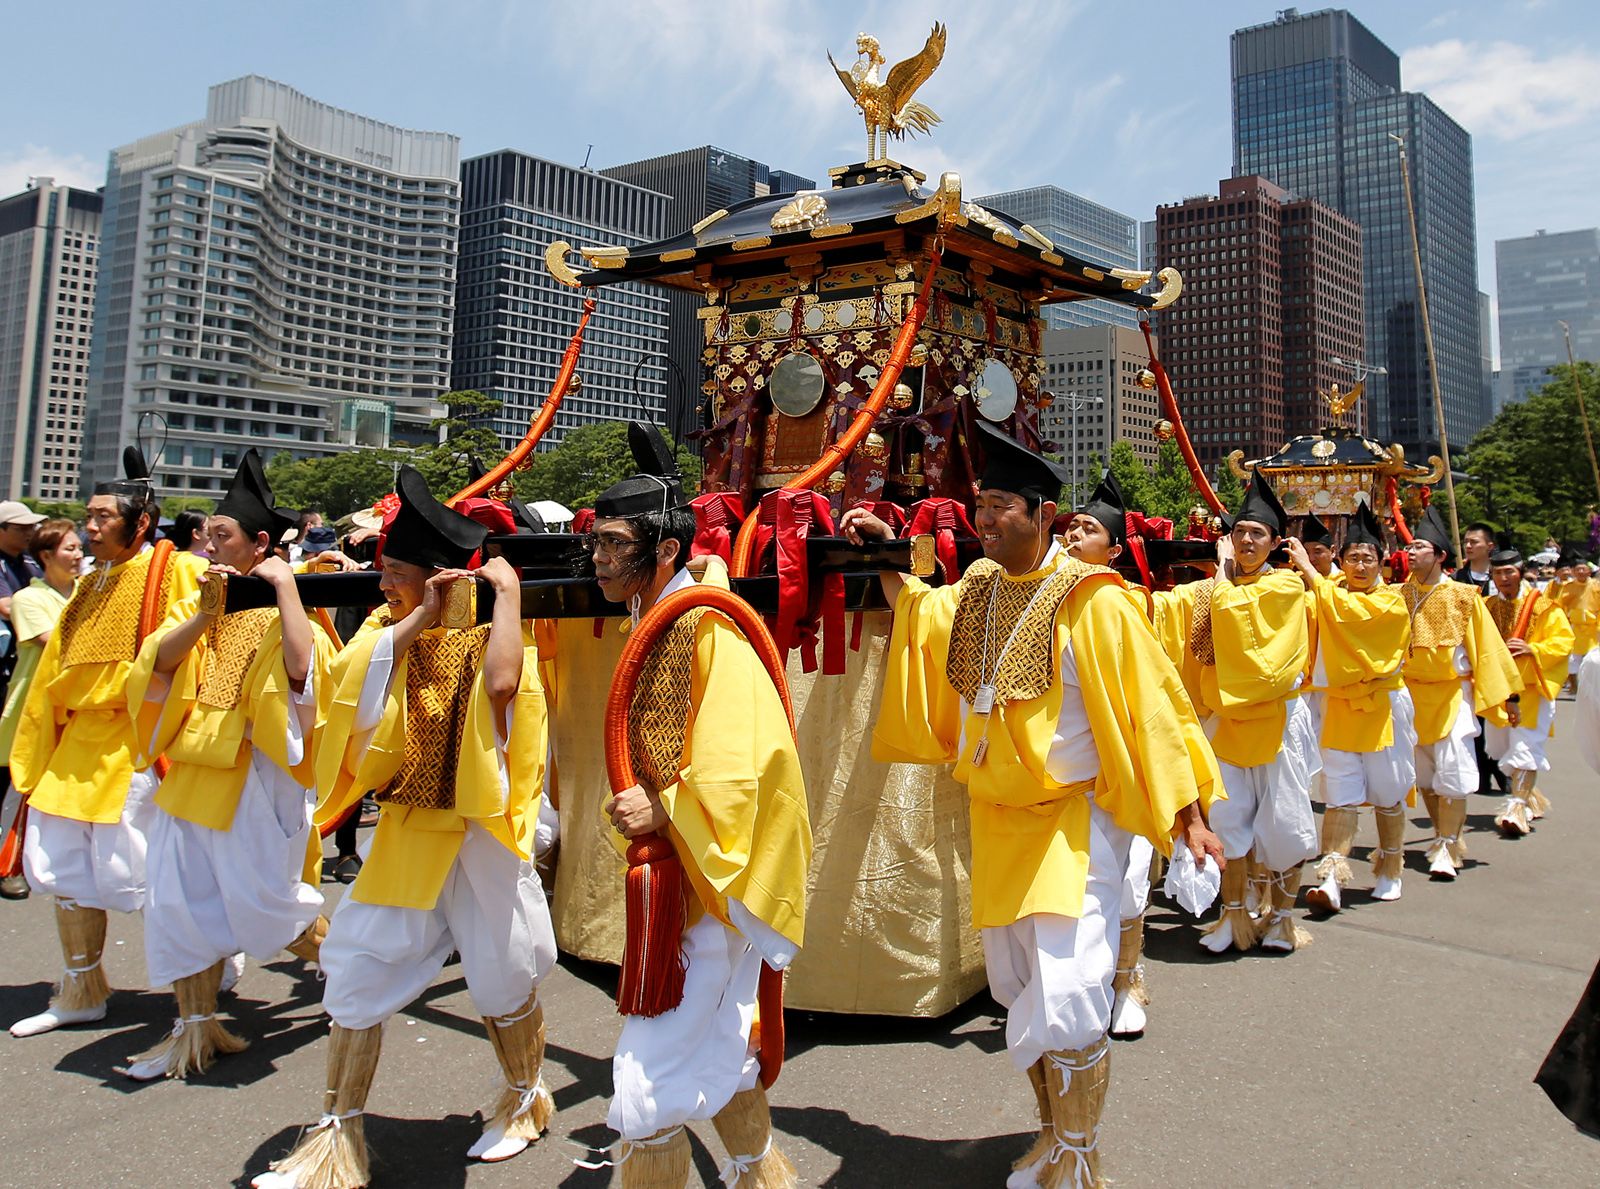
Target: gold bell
column 834, row 483
column 577, row 383
column 1164, row 430
column 1147, row 378
column 902, row 396
column 873, row 447
column 919, row 355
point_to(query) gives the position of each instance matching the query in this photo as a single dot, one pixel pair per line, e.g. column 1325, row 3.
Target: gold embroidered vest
column 440, row 670
column 231, row 645
column 658, row 715
column 1439, row 615
column 1504, row 612
column 1027, row 669
column 1201, row 646
column 101, row 623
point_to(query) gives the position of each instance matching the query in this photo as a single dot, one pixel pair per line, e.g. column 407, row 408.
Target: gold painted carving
column 887, row 105
column 801, row 213
column 555, row 259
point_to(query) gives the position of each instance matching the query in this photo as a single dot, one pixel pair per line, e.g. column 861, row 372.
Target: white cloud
column 1505, row 90
column 35, row 161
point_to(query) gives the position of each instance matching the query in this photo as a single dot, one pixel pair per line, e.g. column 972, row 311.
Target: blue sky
column 1126, row 103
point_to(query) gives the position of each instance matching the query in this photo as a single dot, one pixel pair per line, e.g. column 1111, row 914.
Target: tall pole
column 1583, row 410
column 1427, row 339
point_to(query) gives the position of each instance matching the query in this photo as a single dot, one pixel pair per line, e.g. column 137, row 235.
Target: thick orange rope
column 644, row 974
column 743, row 563
column 1402, row 530
column 541, row 422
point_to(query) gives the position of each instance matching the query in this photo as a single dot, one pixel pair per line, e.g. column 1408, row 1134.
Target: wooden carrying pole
column 1583, row 409
column 1427, row 339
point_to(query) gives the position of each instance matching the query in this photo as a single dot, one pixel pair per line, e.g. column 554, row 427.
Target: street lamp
column 1075, row 402
column 1361, row 370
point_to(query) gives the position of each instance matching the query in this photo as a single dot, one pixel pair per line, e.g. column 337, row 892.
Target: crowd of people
column 183, row 760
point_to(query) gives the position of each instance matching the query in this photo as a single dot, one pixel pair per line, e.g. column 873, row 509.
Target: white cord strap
column 507, row 1021
column 181, row 1024
column 1081, row 1147
column 335, row 1121
column 527, row 1096
column 738, row 1166
column 1068, row 1066
column 626, row 1148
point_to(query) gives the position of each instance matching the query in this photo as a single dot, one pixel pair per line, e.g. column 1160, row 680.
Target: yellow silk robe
column 1549, row 636
column 738, row 814
column 74, row 754
column 1261, row 639
column 1580, row 600
column 1361, row 638
column 1030, row 835
column 413, row 848
column 1459, row 619
column 209, row 745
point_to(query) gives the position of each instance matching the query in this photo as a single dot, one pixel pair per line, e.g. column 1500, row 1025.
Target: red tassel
column 652, row 955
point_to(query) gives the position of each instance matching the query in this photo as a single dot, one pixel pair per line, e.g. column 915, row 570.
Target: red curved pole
column 541, row 422
column 656, row 849
column 1391, row 491
column 742, row 563
column 1169, row 405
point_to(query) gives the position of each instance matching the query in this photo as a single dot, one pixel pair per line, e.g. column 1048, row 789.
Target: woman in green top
column 35, row 611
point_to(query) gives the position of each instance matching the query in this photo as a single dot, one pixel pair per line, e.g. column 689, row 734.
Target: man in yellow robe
column 1098, row 535
column 75, row 748
column 720, row 776
column 231, row 701
column 1457, row 668
column 1246, row 633
column 1579, row 600
column 1539, row 637
column 1367, row 734
column 449, row 726
column 1039, row 678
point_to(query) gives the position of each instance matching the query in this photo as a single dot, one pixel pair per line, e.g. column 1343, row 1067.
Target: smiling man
column 1247, row 631
column 232, row 701
column 1039, row 678
column 76, row 745
column 449, row 726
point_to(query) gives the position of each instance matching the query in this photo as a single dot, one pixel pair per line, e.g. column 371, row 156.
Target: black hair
column 1348, row 545
column 637, row 561
column 129, row 509
column 1478, row 526
column 184, row 526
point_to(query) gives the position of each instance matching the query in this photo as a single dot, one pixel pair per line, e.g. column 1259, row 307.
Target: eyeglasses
column 609, row 544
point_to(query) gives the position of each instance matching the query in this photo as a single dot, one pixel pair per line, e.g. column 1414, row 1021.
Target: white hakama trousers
column 1136, row 883
column 214, row 893
column 90, row 864
column 1053, row 973
column 1268, row 807
column 1449, row 766
column 491, row 910
column 688, row 1063
column 1521, row 749
column 1379, row 778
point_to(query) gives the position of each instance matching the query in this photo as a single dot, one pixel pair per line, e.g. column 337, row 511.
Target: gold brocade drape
column 888, row 918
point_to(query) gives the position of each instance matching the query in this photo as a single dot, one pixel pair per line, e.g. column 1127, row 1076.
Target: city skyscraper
column 1272, row 296
column 1092, row 374
column 1085, row 228
column 700, row 182
column 1316, row 105
column 1544, row 279
column 281, row 274
column 49, row 255
column 513, row 319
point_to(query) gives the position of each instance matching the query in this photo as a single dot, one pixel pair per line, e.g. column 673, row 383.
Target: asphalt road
column 1396, row 1050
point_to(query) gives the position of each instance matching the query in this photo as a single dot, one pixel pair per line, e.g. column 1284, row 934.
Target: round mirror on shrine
column 797, row 384
column 845, row 313
column 752, row 325
column 783, row 321
column 815, row 318
column 995, row 393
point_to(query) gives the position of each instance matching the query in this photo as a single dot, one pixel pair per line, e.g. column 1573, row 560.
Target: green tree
column 338, row 483
column 590, row 459
column 73, row 510
column 1172, row 491
column 1131, row 475
column 1228, row 486
column 1530, row 467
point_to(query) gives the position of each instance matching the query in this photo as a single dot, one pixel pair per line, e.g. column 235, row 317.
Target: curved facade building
column 279, row 274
